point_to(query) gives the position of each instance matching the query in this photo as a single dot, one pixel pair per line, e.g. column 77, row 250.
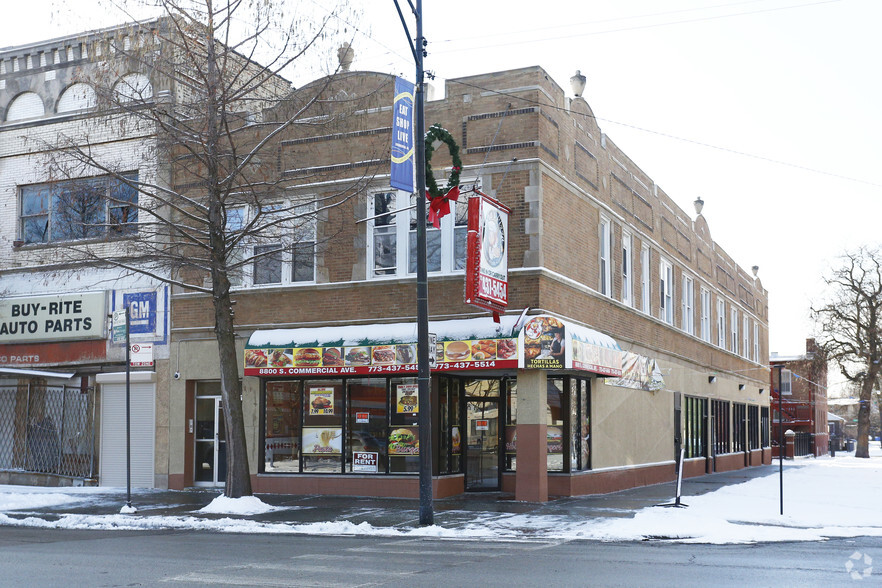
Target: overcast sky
column 767, row 109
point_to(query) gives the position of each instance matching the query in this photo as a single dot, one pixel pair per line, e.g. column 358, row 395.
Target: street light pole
column 780, row 438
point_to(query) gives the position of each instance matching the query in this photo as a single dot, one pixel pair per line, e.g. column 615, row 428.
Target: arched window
column 133, row 86
column 27, row 105
column 77, row 97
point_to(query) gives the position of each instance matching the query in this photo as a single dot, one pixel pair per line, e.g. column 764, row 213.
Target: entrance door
column 211, row 444
column 482, row 449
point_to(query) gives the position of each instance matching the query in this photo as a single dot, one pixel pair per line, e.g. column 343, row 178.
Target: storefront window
column 282, row 438
column 585, row 416
column 366, row 426
column 556, row 412
column 404, row 445
column 323, row 426
column 511, row 422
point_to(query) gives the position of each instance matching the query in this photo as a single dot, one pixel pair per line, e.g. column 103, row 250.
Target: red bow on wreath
column 438, row 207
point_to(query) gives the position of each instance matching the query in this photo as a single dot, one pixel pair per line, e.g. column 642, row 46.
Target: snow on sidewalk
column 823, row 497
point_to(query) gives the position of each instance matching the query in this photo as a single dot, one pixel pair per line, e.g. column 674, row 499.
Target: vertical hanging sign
column 487, row 256
column 402, row 137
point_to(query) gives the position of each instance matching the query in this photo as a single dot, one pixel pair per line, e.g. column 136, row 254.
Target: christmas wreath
column 440, row 201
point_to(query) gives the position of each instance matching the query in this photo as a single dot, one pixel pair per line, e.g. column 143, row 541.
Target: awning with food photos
column 531, row 342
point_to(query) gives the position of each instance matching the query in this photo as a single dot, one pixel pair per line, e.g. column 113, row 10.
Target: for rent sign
column 63, row 317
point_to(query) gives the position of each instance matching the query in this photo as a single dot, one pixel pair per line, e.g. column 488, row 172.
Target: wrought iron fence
column 47, row 429
column 803, row 444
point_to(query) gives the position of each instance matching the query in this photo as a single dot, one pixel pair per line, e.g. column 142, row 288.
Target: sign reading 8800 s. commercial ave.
column 63, row 317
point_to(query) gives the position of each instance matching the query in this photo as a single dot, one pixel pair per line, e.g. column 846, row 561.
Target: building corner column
column 531, row 478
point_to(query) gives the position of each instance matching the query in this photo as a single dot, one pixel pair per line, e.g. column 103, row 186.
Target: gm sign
column 142, row 312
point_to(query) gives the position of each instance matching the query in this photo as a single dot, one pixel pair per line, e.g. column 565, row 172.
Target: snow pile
column 246, row 505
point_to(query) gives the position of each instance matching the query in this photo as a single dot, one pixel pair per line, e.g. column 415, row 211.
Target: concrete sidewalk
column 451, row 513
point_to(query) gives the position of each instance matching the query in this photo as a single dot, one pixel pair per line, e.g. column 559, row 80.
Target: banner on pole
column 402, row 176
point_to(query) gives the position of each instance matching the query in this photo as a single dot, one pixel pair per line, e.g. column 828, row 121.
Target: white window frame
column 721, row 323
column 756, row 357
column 745, row 327
column 448, row 262
column 627, row 270
column 286, row 242
column 705, row 321
column 645, row 281
column 666, row 291
column 687, row 303
column 733, row 323
column 605, row 256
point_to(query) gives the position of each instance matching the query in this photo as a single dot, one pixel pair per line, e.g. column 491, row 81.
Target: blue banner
column 402, row 137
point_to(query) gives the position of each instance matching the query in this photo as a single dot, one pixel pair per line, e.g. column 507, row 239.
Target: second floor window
column 605, row 261
column 627, row 270
column 688, row 319
column 721, row 323
column 392, row 244
column 666, row 291
column 85, row 208
column 734, row 324
column 645, row 287
column 705, row 315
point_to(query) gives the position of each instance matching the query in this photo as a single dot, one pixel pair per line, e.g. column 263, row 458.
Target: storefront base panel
column 756, row 457
column 767, row 456
column 694, row 467
column 729, row 462
column 385, row 486
column 604, row 482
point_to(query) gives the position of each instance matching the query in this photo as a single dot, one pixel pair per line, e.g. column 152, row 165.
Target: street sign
column 118, row 326
column 141, row 355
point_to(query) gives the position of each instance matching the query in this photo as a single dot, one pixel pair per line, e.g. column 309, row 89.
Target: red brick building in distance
column 803, row 400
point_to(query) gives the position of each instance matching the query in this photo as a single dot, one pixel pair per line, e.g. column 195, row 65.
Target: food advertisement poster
column 456, row 441
column 544, row 343
column 407, row 400
column 554, row 436
column 511, row 440
column 365, row 462
column 404, row 441
column 639, row 373
column 322, row 441
column 321, row 401
column 487, row 254
column 392, row 358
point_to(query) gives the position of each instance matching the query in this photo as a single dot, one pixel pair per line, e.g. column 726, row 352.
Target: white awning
column 36, row 373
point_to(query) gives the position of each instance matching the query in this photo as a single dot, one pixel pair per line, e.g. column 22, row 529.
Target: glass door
column 211, row 456
column 482, row 448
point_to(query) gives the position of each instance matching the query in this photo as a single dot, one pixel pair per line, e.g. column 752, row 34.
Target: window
column 605, row 261
column 733, row 323
column 722, row 427
column 695, row 414
column 739, row 427
column 287, row 252
column 753, row 427
column 745, row 329
column 755, row 341
column 645, row 287
column 86, row 208
column 392, row 236
column 705, row 315
column 764, row 426
column 627, row 270
column 666, row 292
column 721, row 323
column 688, row 318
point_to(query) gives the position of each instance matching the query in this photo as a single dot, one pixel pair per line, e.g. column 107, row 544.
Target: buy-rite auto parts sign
column 63, row 317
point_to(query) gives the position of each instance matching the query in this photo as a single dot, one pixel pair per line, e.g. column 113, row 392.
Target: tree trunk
column 863, row 434
column 238, row 481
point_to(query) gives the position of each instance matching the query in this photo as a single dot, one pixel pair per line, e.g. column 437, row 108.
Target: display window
column 323, row 426
column 282, row 439
column 367, row 447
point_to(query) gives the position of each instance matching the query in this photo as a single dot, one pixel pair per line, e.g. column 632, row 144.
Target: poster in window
column 554, row 437
column 322, row 441
column 456, row 441
column 321, row 401
column 404, row 441
column 407, row 400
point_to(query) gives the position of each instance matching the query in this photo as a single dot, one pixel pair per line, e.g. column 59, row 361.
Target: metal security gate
column 47, row 429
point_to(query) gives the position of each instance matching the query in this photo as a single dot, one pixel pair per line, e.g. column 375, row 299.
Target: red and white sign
column 365, row 461
column 141, row 355
column 362, row 417
column 487, row 257
column 482, row 425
